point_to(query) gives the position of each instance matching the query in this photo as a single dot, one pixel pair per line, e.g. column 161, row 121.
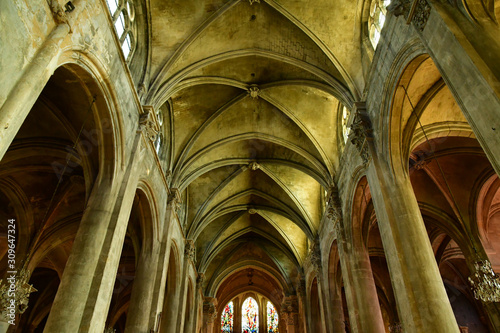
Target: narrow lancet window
column 272, row 319
column 226, row 321
column 250, row 316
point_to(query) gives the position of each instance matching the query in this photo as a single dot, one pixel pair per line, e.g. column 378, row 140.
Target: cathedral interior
column 291, row 166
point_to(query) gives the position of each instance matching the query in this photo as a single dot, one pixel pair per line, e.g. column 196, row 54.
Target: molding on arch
column 215, row 283
column 164, row 92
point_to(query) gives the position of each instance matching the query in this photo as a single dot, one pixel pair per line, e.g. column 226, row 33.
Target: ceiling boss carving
column 254, row 91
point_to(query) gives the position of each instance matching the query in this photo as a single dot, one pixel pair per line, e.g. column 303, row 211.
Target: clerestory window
column 122, row 13
column 378, row 12
column 345, row 119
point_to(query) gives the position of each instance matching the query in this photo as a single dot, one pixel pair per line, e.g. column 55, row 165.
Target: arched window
column 122, row 13
column 159, row 138
column 250, row 316
column 226, row 320
column 345, row 119
column 272, row 318
column 378, row 13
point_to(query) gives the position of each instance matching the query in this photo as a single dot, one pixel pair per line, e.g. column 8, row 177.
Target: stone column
column 24, row 94
column 338, row 311
column 423, row 304
column 193, row 317
column 189, row 257
column 361, row 292
column 301, row 323
column 84, row 294
column 142, row 291
column 209, row 314
column 171, row 310
column 237, row 314
column 199, row 299
column 290, row 314
column 333, row 214
column 167, row 300
column 466, row 55
column 314, row 259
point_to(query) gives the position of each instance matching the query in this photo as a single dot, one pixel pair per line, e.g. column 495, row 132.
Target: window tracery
column 122, row 13
column 272, row 319
column 250, row 316
column 345, row 119
column 378, row 12
column 226, row 322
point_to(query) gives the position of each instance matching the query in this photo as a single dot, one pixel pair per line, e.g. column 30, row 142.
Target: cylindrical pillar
column 26, row 91
column 468, row 68
column 361, row 292
column 142, row 292
column 423, row 304
column 84, row 294
column 337, row 311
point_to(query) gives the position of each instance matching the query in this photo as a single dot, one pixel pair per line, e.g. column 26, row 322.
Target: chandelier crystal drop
column 485, row 282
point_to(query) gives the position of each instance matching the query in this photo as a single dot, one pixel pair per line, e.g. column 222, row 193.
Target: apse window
column 272, row 319
column 226, row 321
column 122, row 13
column 378, row 12
column 250, row 316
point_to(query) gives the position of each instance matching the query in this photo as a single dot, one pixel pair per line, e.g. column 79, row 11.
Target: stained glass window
column 226, row 321
column 272, row 319
column 250, row 316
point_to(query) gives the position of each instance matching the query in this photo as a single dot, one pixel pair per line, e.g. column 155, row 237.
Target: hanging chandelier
column 485, row 282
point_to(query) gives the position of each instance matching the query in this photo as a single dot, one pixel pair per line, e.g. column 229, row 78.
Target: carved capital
column 174, row 198
column 395, row 327
column 421, row 14
column 334, row 205
column 190, row 250
column 58, row 13
column 314, row 257
column 290, row 310
column 361, row 132
column 209, row 309
column 301, row 287
column 416, row 11
column 399, row 7
column 147, row 125
column 200, row 280
column 254, row 1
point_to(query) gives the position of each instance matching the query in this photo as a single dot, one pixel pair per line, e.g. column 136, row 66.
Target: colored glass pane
column 272, row 319
column 226, row 321
column 250, row 316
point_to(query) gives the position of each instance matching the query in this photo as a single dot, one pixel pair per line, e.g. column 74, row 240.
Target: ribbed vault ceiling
column 253, row 93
